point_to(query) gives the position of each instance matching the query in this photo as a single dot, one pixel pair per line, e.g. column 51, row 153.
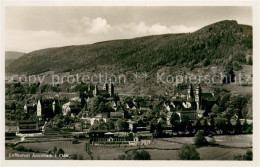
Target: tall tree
column 199, row 139
column 229, row 72
column 175, row 122
column 188, row 152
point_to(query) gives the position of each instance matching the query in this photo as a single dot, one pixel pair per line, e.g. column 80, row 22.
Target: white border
column 256, row 88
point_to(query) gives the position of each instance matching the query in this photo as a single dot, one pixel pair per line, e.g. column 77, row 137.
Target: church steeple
column 111, row 89
column 198, row 96
column 54, row 106
column 105, row 87
column 190, row 93
column 95, row 91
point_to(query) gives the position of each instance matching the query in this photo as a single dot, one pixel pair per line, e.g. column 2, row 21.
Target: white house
column 71, row 106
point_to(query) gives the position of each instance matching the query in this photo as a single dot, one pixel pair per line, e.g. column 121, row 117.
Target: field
column 167, row 148
column 247, row 72
column 67, row 146
column 159, row 149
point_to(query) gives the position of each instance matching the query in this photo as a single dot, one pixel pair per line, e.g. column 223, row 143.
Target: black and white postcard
column 91, row 81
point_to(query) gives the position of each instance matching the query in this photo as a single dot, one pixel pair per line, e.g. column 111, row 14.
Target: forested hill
column 213, row 44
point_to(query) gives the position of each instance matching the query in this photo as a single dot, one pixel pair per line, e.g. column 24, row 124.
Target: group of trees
column 209, row 125
column 229, row 104
column 60, row 120
column 188, row 152
column 224, row 126
column 229, row 72
column 77, row 157
column 199, row 139
column 136, row 155
column 247, row 156
column 34, row 88
column 56, row 151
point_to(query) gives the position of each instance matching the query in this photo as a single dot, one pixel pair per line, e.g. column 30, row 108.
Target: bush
column 11, row 145
column 200, row 139
column 127, row 156
column 21, row 148
column 49, row 151
column 60, row 151
column 188, row 152
column 247, row 156
column 247, row 128
column 54, row 149
column 74, row 156
column 142, row 155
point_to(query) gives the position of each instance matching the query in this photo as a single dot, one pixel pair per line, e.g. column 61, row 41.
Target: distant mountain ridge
column 11, row 56
column 212, row 44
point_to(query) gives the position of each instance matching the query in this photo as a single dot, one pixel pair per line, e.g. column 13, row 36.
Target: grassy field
column 218, row 153
column 237, row 87
column 241, row 141
column 67, row 146
column 159, row 149
column 167, row 148
column 243, row 90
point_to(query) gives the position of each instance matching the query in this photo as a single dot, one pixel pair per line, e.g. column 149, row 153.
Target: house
column 137, row 141
column 145, row 106
column 132, row 125
column 191, row 114
column 103, row 137
column 72, row 106
column 98, row 117
column 114, row 104
column 96, row 134
column 117, row 114
column 169, row 106
column 168, row 118
column 129, row 105
column 121, row 134
column 29, row 108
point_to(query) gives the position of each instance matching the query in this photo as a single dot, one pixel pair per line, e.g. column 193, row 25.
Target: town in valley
column 129, row 83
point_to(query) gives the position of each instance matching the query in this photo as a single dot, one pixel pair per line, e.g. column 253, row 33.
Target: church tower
column 190, row 93
column 54, row 106
column 39, row 109
column 111, row 90
column 105, row 87
column 89, row 88
column 198, row 97
column 95, row 91
column 25, row 108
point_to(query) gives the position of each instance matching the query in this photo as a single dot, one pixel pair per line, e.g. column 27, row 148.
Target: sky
column 33, row 28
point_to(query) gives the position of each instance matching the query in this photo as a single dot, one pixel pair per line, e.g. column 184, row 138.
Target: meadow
column 160, row 149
